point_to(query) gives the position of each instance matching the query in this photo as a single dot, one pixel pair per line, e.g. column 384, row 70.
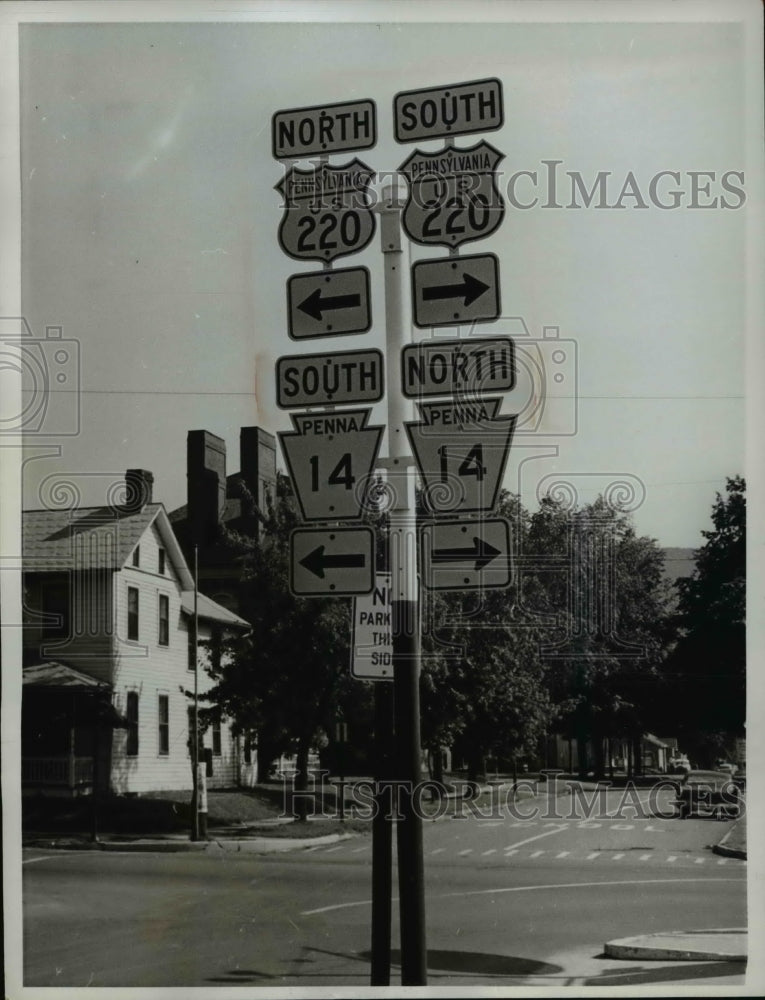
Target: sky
column 149, row 227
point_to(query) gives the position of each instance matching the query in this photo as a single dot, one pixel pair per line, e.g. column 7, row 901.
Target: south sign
column 327, row 211
column 322, row 379
column 453, row 196
column 456, row 109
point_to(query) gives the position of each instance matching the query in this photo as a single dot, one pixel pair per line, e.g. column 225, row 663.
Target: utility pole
column 195, row 737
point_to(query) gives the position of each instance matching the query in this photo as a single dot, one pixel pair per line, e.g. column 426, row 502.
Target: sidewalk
column 718, row 945
column 733, row 844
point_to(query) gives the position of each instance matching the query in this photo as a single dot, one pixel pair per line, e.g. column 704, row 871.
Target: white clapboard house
column 109, row 653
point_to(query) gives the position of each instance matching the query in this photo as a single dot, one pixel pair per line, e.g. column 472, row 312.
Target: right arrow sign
column 456, row 290
column 465, row 555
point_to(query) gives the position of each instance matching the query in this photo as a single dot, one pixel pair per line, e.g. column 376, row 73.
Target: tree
column 604, row 587
column 708, row 668
column 483, row 685
column 281, row 680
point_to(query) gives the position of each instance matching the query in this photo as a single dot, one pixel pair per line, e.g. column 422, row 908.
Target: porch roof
column 58, row 675
column 210, row 610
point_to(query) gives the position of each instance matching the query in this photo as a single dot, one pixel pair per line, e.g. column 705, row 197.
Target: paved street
column 509, row 902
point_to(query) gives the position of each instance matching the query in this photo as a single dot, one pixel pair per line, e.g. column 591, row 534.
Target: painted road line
column 468, row 850
column 536, row 854
column 700, row 861
column 644, row 857
column 510, row 853
column 539, row 836
column 358, row 850
column 438, row 850
column 532, row 888
column 31, row 861
column 492, row 850
column 672, row 857
column 617, row 857
column 722, row 861
column 563, row 854
column 595, row 854
column 339, row 847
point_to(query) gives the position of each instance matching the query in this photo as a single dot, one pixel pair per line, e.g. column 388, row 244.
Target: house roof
column 211, row 611
column 58, row 675
column 91, row 538
column 86, row 537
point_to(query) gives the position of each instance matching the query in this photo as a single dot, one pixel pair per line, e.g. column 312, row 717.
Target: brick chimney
column 139, row 484
column 205, row 484
column 257, row 456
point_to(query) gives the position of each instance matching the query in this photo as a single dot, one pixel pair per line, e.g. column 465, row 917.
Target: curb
column 729, row 852
column 682, row 946
column 252, row 845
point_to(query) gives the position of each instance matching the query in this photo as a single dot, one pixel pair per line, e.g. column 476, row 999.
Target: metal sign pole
column 404, row 606
column 382, row 837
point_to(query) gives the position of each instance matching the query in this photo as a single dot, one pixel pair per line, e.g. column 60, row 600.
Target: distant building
column 109, row 653
column 217, row 501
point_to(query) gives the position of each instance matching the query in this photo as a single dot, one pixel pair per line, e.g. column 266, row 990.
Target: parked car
column 679, row 764
column 708, row 792
column 724, row 765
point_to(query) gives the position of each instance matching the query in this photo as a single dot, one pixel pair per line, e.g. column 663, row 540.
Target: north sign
column 456, row 290
column 332, row 378
column 465, row 368
column 328, row 303
column 453, row 195
column 324, row 128
column 456, row 109
column 327, row 211
column 465, row 555
column 332, row 561
column 331, row 457
column 461, row 450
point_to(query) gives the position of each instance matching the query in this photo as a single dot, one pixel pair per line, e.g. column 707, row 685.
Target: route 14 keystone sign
column 453, row 195
column 327, row 211
column 461, row 450
column 331, row 457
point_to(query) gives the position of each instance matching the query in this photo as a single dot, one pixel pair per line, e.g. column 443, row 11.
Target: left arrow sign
column 318, row 561
column 331, row 561
column 328, row 303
